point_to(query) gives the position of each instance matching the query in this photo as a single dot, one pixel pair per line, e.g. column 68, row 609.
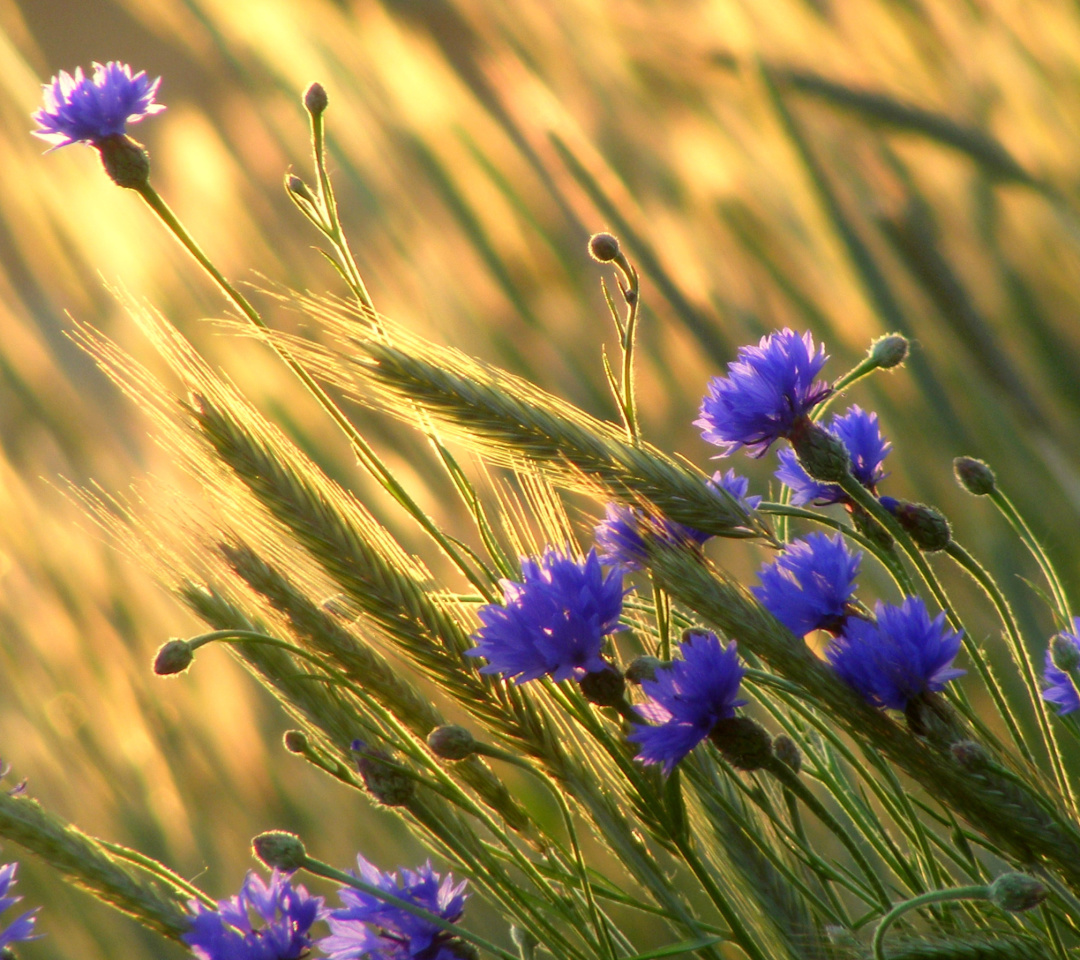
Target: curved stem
column 934, row 896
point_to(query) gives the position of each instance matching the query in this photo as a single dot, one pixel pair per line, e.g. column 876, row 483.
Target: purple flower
column 687, row 699
column 808, row 587
column 287, row 914
column 22, row 928
column 1060, row 688
column 94, row 108
column 368, row 926
column 620, row 536
column 554, row 621
column 903, row 655
column 861, row 434
column 767, row 391
column 736, row 486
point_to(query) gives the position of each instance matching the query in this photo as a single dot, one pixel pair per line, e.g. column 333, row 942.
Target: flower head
column 861, row 434
column 287, row 914
column 736, row 486
column 554, row 621
column 902, row 656
column 687, row 699
column 808, row 587
column 768, row 390
column 21, row 928
column 368, row 926
column 1060, row 688
column 620, row 536
column 80, row 108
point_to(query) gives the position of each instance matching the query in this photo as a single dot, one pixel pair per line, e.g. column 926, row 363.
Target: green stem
column 933, row 896
column 321, row 869
column 363, row 450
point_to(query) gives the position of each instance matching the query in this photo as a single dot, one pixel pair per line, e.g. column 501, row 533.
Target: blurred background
column 853, row 168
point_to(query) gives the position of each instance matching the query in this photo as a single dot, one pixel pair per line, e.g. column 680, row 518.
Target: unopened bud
column 298, row 188
column 1064, row 653
column 743, row 742
column 296, row 741
column 643, row 668
column 821, row 454
column 125, row 160
column 281, row 849
column 970, row 755
column 787, row 752
column 974, row 476
column 315, row 99
column 1017, row 892
column 605, row 688
column 603, row 247
column 451, row 742
column 173, row 657
column 889, row 351
column 384, row 779
column 925, row 525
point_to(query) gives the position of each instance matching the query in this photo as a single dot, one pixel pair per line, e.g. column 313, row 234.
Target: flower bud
column 1064, row 653
column 889, row 351
column 384, row 779
column 281, row 849
column 821, row 454
column 925, row 525
column 451, row 742
column 125, row 160
column 970, row 755
column 605, row 688
column 603, row 247
column 298, row 188
column 315, row 99
column 173, row 657
column 743, row 742
column 787, row 752
column 643, row 668
column 1017, row 892
column 296, row 741
column 974, row 476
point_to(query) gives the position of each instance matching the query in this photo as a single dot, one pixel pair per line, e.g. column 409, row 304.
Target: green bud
column 173, row 657
column 643, row 668
column 925, row 525
column 125, row 160
column 281, row 849
column 298, row 188
column 451, row 742
column 974, row 476
column 1017, row 892
column 821, row 454
column 889, row 351
column 384, row 779
column 603, row 247
column 787, row 752
column 315, row 99
column 296, row 741
column 743, row 742
column 605, row 688
column 1064, row 654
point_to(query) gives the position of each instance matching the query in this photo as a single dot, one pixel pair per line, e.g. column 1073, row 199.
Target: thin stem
column 933, row 896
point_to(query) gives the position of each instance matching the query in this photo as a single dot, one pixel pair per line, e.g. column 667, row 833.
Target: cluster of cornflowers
column 274, row 920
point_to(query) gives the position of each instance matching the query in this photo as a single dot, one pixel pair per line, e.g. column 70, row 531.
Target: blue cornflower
column 860, row 432
column 22, row 928
column 687, row 699
column 902, row 656
column 767, row 392
column 287, row 914
column 1060, row 688
column 369, row 927
column 620, row 536
column 808, row 587
column 80, row 108
column 554, row 621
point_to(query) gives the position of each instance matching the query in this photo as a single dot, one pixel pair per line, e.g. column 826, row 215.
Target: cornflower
column 287, row 913
column 810, row 585
column 860, row 433
column 369, row 927
column 1063, row 656
column 768, row 393
column 554, row 621
column 688, row 699
column 902, row 656
column 21, row 928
